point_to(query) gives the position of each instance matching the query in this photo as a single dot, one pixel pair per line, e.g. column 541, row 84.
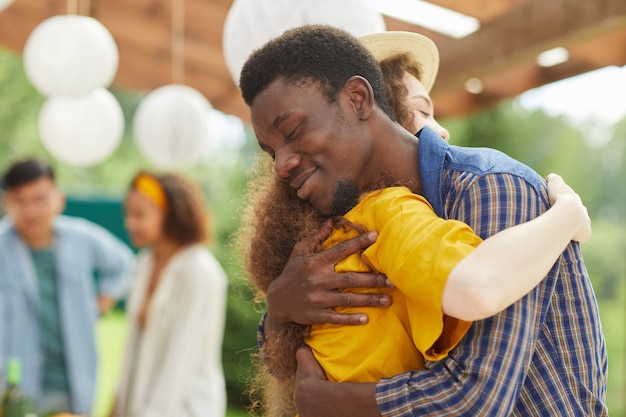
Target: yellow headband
column 151, row 188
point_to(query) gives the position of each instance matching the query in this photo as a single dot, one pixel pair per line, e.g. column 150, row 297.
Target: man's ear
column 361, row 96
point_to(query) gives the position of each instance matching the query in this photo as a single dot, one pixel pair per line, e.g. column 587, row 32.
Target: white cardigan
column 177, row 357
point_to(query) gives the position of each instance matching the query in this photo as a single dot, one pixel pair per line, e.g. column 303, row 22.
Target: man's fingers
column 331, row 317
column 345, row 299
column 347, row 319
column 352, row 319
column 348, row 247
column 339, row 280
column 350, row 299
column 362, row 280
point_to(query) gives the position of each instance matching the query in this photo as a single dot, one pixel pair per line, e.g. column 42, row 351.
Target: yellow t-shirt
column 416, row 250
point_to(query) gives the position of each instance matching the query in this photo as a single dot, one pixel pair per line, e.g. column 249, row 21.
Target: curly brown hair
column 187, row 218
column 274, row 220
column 394, row 68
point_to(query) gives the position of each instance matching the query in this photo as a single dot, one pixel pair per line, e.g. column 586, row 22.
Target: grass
column 613, row 316
column 112, row 335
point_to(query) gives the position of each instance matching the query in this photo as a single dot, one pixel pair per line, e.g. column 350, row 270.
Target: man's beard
column 345, row 197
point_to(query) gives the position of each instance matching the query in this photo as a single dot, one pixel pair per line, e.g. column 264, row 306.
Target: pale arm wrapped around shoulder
column 506, row 266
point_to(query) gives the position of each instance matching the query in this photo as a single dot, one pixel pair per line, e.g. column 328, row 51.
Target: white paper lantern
column 70, row 56
column 251, row 23
column 81, row 130
column 171, row 126
column 5, row 3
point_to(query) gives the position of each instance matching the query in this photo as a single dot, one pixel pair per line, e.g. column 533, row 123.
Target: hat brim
column 419, row 48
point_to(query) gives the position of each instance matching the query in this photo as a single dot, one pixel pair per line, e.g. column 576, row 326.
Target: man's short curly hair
column 319, row 53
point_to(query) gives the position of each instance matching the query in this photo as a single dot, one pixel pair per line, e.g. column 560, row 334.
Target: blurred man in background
column 49, row 297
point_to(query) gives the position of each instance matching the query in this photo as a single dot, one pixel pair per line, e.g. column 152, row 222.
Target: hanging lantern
column 171, row 126
column 82, row 130
column 251, row 23
column 70, row 55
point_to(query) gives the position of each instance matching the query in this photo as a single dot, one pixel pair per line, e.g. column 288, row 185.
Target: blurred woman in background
column 176, row 310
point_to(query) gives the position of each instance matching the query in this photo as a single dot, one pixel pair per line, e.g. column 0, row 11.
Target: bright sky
column 597, row 95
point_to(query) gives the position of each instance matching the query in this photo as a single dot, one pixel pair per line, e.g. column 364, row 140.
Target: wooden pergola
column 502, row 53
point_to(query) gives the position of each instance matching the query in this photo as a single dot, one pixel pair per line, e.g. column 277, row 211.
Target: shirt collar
column 431, row 154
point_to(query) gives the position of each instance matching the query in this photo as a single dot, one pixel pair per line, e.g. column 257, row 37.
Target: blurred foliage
column 222, row 176
column 589, row 155
column 594, row 167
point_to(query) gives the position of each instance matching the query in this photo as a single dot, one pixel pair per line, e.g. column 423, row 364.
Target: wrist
column 315, row 397
column 271, row 324
column 274, row 317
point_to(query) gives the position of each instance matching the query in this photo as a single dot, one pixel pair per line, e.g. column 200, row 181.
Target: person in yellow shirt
column 421, row 254
column 417, row 251
column 443, row 276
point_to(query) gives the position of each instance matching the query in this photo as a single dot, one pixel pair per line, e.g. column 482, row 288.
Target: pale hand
column 561, row 193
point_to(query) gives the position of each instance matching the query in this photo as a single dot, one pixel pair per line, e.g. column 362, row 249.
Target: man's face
column 320, row 148
column 33, row 206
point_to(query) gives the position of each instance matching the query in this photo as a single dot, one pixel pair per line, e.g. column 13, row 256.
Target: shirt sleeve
column 417, row 250
column 113, row 262
column 485, row 373
column 260, row 330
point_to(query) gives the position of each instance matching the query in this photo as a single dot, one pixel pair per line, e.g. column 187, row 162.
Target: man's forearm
column 317, row 398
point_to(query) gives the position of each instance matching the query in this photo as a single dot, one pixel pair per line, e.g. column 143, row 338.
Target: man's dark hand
column 307, row 290
column 308, row 366
column 314, row 396
column 309, row 374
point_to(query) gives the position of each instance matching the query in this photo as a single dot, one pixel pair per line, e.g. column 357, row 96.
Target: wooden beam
column 483, row 10
column 523, row 33
column 502, row 53
column 589, row 55
column 608, row 49
column 19, row 20
column 460, row 103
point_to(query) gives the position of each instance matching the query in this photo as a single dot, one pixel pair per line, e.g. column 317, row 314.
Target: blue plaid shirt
column 543, row 356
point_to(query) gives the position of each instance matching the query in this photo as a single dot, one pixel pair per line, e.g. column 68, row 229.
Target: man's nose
column 284, row 162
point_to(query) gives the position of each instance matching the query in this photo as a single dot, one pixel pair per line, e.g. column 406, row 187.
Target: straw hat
column 419, row 48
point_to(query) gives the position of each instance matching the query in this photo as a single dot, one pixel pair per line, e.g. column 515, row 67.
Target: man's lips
column 299, row 181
